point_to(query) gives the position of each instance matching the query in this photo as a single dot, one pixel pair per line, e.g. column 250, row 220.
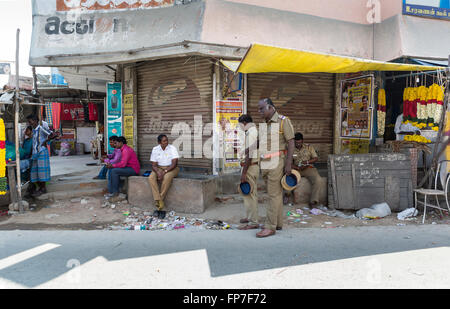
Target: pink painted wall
column 240, row 24
column 345, row 10
column 390, row 8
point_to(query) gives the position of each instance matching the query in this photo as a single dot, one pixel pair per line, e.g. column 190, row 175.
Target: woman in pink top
column 128, row 166
column 112, row 158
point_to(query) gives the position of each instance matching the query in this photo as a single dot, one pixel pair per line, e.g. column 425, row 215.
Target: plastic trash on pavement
column 407, row 213
column 316, row 211
column 376, row 211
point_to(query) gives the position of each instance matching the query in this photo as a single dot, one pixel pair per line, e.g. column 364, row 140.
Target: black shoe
column 279, row 228
column 162, row 214
column 156, row 213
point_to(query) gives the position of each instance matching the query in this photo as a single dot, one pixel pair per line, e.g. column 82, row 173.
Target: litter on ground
column 407, row 213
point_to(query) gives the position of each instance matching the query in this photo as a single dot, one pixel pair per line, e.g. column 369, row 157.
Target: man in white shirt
column 401, row 129
column 164, row 160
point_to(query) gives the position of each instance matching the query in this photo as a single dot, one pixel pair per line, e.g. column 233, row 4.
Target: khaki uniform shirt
column 306, row 153
column 251, row 143
column 285, row 133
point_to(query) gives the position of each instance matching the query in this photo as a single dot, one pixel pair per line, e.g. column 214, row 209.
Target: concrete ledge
column 228, row 184
column 186, row 195
column 61, row 195
column 303, row 191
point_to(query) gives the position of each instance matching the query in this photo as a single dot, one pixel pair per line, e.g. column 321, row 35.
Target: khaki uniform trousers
column 251, row 200
column 272, row 178
column 313, row 176
column 160, row 195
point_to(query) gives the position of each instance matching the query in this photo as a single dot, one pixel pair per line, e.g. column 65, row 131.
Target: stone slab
column 186, row 195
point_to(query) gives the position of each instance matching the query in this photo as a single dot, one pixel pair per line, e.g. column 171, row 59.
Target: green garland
column 3, row 184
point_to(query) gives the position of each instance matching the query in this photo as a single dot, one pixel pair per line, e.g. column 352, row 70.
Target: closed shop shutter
column 172, row 91
column 307, row 99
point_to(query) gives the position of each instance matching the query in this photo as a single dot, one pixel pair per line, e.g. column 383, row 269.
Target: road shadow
column 229, row 252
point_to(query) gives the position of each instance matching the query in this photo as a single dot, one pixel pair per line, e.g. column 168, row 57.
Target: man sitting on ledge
column 128, row 166
column 164, row 160
column 304, row 157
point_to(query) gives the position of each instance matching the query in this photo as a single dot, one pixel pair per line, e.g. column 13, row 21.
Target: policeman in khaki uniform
column 250, row 172
column 304, row 158
column 276, row 161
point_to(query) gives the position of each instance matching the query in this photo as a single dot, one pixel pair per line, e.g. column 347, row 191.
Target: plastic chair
column 435, row 192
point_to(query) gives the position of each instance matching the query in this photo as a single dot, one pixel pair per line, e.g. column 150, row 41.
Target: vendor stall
column 363, row 106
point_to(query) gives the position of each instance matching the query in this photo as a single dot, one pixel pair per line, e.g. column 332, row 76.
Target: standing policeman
column 250, row 172
column 276, row 149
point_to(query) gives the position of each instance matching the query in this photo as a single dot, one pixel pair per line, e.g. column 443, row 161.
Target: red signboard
column 72, row 112
column 69, row 5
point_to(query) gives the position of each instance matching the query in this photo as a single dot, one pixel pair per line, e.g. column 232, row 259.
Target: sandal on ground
column 248, row 227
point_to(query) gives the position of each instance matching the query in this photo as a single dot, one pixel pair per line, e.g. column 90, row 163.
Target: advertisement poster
column 227, row 116
column 128, row 130
column 355, row 146
column 427, row 8
column 114, row 111
column 357, row 107
column 128, row 104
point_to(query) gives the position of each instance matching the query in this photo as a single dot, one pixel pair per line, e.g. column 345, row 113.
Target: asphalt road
column 359, row 257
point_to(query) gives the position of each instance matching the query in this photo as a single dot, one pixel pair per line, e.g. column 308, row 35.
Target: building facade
column 167, row 57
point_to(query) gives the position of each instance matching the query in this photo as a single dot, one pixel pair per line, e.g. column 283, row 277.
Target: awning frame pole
column 413, row 74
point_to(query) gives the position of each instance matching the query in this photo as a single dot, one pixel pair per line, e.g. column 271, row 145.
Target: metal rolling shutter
column 307, row 99
column 171, row 91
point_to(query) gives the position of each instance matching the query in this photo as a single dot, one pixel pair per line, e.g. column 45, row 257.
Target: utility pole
column 16, row 125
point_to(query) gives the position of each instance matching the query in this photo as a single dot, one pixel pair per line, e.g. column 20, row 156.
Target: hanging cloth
column 56, row 115
column 93, row 112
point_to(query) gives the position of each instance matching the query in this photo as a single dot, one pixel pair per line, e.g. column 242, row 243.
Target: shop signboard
column 71, row 112
column 113, row 111
column 427, row 8
column 5, row 68
column 93, row 5
column 63, row 28
column 227, row 118
column 25, row 83
column 356, row 107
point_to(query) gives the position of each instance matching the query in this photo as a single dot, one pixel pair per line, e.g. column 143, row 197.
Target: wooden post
column 16, row 125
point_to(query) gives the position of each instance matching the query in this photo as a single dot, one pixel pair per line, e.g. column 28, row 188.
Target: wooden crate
column 360, row 181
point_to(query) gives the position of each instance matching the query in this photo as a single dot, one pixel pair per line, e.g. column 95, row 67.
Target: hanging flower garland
column 3, row 180
column 381, row 112
column 439, row 110
column 420, row 98
column 417, row 138
column 431, row 106
column 423, row 106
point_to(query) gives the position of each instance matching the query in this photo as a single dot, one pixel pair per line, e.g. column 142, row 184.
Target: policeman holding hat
column 250, row 173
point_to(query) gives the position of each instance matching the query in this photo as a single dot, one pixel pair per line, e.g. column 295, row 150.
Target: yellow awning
column 230, row 64
column 265, row 59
